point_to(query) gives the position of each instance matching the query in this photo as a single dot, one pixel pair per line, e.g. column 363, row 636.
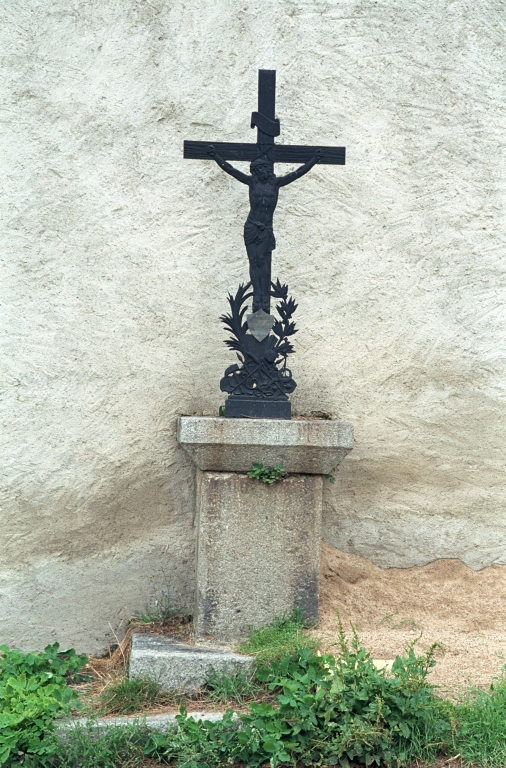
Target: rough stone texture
column 117, row 256
column 232, row 445
column 179, row 667
column 258, row 551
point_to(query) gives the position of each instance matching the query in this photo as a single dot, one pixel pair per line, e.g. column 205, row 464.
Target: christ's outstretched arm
column 242, row 177
column 284, row 180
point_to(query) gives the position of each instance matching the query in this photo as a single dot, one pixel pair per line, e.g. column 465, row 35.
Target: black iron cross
column 260, row 387
column 267, row 128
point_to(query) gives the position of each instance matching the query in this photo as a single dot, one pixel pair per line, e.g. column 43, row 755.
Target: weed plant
column 134, row 696
column 34, row 691
column 328, row 711
column 268, row 475
column 129, row 696
column 159, row 609
column 323, row 711
column 280, row 639
column 197, row 744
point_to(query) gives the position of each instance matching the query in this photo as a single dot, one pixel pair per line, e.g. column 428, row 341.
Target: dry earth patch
column 445, row 601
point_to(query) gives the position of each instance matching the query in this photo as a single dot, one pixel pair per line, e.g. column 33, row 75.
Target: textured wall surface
column 117, row 256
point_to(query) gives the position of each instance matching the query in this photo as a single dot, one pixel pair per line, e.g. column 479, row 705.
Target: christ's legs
column 265, row 282
column 260, row 274
column 255, row 281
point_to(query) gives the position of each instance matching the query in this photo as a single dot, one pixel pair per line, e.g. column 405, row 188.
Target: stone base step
column 180, row 667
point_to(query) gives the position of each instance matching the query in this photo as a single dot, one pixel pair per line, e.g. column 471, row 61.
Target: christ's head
column 262, row 169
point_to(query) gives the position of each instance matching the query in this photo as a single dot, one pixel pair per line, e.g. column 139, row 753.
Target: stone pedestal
column 258, row 551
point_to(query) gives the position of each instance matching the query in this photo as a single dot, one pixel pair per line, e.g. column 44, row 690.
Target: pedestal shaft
column 258, row 551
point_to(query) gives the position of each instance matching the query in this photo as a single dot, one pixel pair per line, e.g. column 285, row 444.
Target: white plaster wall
column 117, row 256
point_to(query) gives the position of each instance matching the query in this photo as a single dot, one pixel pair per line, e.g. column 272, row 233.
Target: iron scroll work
column 260, row 385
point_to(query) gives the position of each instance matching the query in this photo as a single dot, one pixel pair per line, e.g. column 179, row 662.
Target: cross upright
column 268, row 128
column 264, row 185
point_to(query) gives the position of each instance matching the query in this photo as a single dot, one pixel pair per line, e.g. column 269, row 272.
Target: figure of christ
column 258, row 230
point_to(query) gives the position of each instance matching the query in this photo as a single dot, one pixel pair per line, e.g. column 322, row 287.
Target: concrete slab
column 153, row 722
column 177, row 666
column 312, row 446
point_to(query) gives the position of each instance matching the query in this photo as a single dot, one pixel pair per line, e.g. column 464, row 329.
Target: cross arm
column 278, row 153
column 281, row 153
column 199, row 150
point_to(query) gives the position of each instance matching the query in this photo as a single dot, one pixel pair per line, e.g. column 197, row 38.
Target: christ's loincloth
column 259, row 233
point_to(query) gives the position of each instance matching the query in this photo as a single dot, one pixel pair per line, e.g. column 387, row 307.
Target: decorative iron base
column 255, row 408
column 259, row 387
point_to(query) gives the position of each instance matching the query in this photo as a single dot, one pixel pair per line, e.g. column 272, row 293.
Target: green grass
column 127, row 697
column 131, row 697
column 90, row 747
column 479, row 727
column 282, row 638
column 236, row 688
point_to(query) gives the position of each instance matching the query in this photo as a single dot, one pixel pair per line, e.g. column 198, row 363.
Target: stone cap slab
column 306, row 446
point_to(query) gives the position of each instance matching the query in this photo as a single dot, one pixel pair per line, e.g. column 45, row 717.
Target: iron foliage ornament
column 261, row 384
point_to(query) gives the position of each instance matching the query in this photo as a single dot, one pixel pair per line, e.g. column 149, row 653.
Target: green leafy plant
column 34, row 691
column 328, row 711
column 196, row 743
column 331, row 477
column 323, row 710
column 345, row 711
column 267, row 475
column 128, row 696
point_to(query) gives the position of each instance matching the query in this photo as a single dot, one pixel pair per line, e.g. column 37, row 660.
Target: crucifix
column 260, row 387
